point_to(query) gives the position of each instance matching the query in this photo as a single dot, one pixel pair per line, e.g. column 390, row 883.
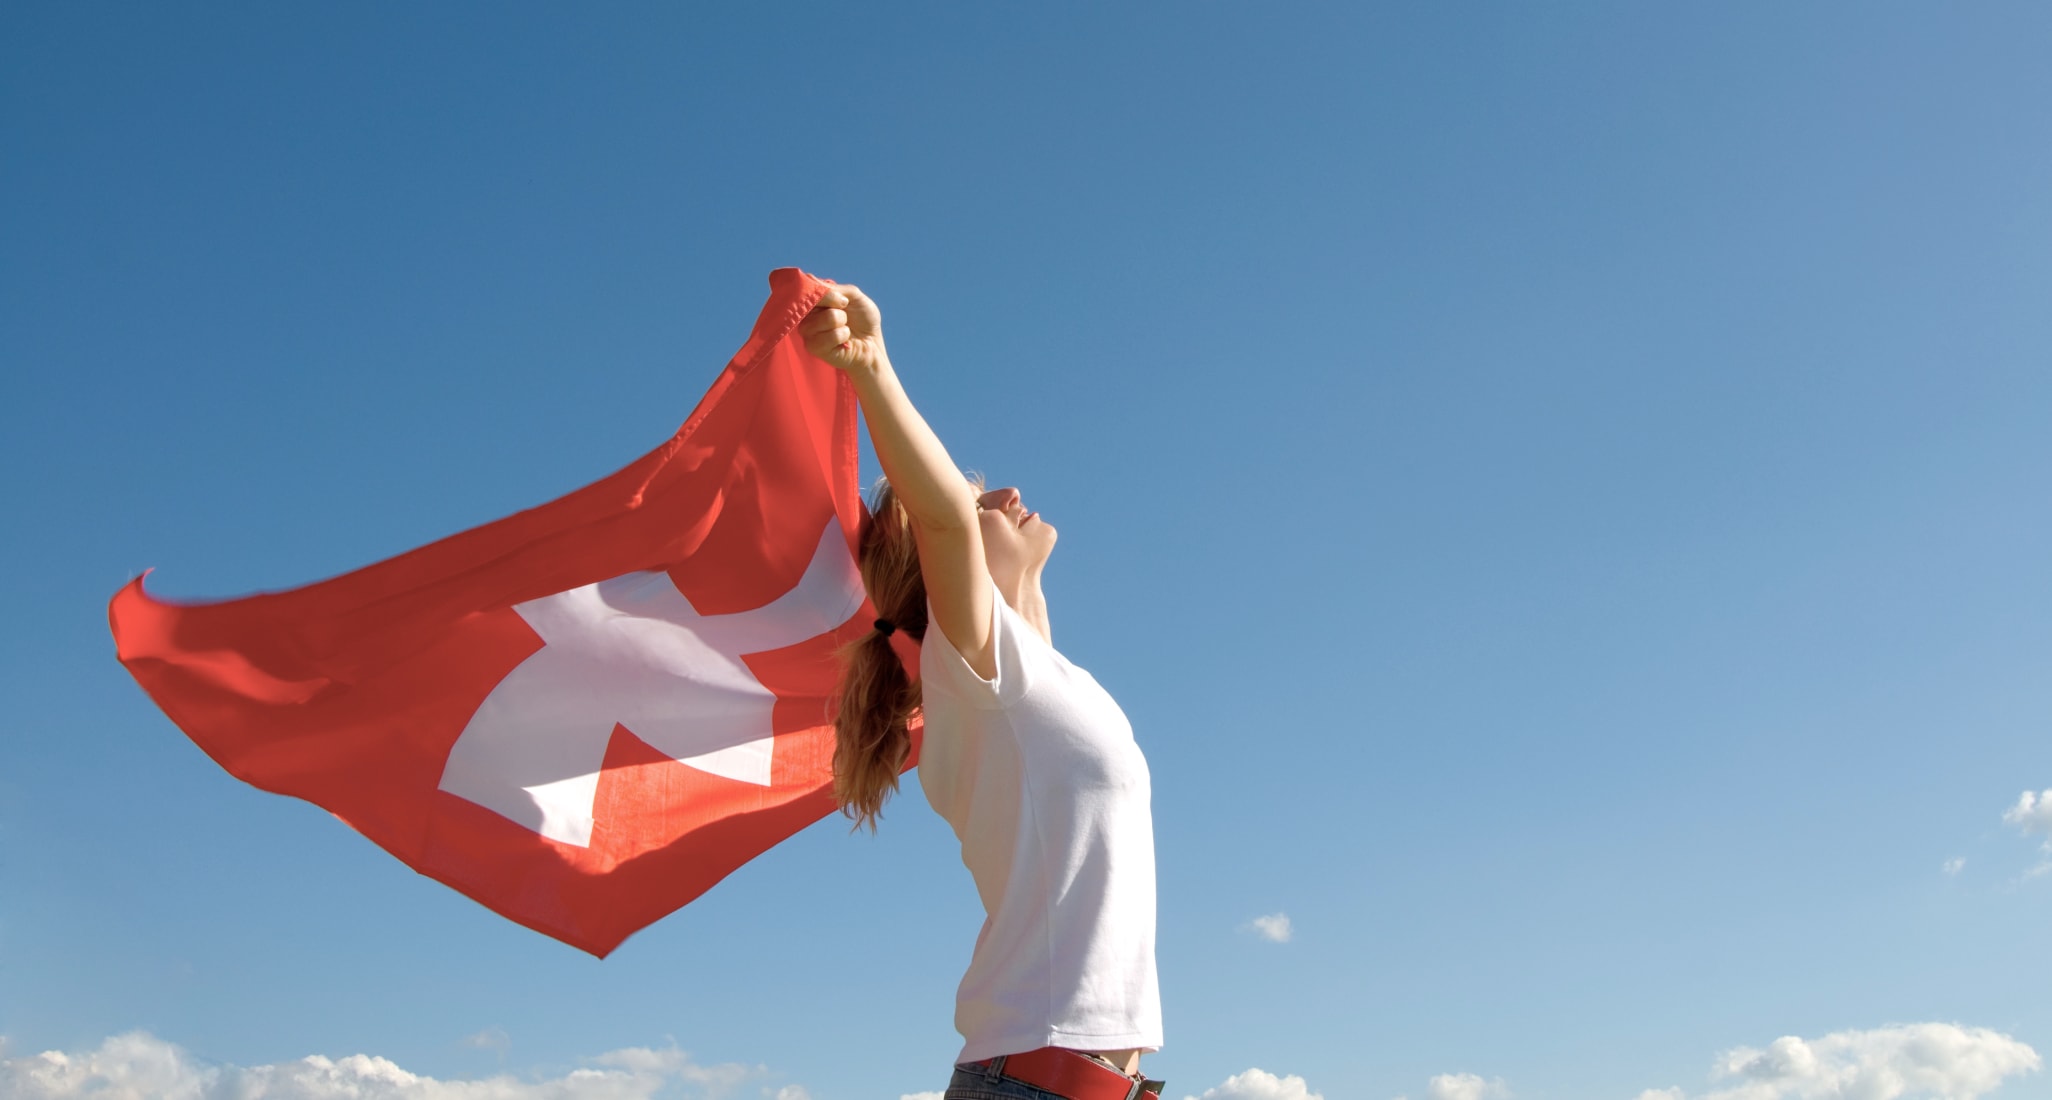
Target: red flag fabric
column 584, row 715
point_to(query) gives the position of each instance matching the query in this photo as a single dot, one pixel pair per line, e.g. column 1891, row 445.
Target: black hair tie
column 886, row 627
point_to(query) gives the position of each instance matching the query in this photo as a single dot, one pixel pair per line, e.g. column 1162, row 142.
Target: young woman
column 1024, row 754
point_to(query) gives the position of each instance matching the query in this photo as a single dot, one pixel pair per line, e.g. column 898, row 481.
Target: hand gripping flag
column 584, row 715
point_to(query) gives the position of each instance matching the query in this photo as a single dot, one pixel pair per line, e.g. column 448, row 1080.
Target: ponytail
column 876, row 700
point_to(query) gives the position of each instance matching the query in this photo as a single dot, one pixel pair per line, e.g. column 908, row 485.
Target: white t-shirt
column 1038, row 773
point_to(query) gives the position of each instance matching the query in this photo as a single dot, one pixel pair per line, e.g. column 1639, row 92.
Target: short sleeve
column 942, row 666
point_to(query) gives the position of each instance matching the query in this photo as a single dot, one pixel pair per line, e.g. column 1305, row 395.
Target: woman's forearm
column 922, row 475
column 846, row 331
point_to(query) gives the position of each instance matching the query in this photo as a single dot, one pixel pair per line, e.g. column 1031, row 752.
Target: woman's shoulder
column 1020, row 658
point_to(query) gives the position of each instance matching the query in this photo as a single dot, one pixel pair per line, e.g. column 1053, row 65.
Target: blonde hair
column 875, row 702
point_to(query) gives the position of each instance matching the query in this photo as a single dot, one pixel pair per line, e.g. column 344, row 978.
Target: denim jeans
column 973, row 1082
column 979, row 1083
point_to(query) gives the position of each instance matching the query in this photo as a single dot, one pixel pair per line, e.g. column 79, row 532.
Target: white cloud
column 491, row 1038
column 923, row 1096
column 1259, row 1084
column 1908, row 1062
column 1275, row 928
column 140, row 1066
column 794, row 1092
column 2032, row 813
column 1952, row 866
column 1465, row 1086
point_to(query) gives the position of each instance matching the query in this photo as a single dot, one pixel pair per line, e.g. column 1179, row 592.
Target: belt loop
column 1133, row 1091
column 996, row 1067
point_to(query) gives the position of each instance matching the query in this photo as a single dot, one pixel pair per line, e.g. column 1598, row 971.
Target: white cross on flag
column 584, row 715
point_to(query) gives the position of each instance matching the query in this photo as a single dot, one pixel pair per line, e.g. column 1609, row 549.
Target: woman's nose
column 1001, row 499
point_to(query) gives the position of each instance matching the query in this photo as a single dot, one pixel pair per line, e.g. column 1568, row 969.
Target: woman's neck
column 1023, row 595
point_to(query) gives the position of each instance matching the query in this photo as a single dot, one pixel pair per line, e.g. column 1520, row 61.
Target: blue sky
column 1560, row 491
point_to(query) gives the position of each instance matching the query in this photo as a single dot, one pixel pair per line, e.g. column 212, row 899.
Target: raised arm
column 846, row 330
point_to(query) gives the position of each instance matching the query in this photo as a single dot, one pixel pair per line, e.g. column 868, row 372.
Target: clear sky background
column 1561, row 491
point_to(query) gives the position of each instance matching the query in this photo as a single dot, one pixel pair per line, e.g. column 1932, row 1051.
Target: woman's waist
column 1067, row 1073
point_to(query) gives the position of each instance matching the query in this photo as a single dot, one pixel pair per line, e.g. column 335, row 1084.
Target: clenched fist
column 846, row 330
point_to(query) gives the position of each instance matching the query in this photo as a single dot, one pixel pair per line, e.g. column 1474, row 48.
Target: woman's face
column 1016, row 542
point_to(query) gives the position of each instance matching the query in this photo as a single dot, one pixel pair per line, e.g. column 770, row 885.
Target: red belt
column 1074, row 1076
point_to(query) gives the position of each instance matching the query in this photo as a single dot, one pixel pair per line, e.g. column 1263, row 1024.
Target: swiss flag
column 584, row 715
